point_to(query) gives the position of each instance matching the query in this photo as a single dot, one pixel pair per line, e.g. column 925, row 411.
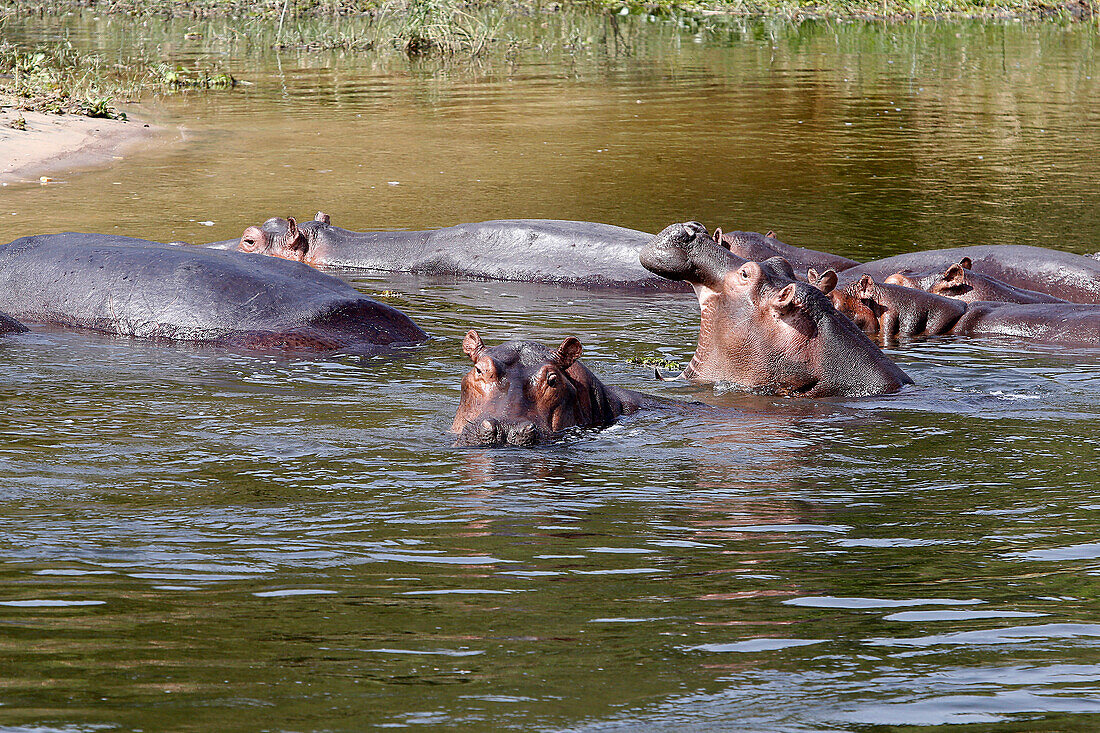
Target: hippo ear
column 719, row 239
column 294, row 240
column 322, row 217
column 784, row 301
column 965, row 263
column 954, row 275
column 472, row 345
column 865, row 288
column 825, row 282
column 569, row 351
column 770, row 234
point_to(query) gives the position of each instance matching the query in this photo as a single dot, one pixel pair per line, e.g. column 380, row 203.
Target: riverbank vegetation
column 58, row 78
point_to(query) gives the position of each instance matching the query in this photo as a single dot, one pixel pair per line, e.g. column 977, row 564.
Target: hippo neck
column 601, row 404
column 387, row 250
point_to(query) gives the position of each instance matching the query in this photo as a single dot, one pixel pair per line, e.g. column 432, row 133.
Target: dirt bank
column 53, row 145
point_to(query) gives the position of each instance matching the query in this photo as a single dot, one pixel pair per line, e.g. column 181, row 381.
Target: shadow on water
column 198, row 539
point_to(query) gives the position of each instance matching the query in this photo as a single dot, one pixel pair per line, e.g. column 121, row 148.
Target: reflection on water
column 197, row 539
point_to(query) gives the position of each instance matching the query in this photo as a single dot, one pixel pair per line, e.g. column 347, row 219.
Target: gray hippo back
column 134, row 287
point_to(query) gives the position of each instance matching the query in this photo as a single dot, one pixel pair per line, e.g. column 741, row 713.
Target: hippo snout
column 491, row 432
column 668, row 254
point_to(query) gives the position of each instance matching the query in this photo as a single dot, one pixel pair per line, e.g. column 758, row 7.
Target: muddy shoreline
column 44, row 145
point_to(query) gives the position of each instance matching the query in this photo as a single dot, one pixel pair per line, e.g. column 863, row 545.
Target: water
column 200, row 539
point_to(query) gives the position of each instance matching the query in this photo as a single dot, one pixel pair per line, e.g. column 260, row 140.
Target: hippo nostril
column 523, row 433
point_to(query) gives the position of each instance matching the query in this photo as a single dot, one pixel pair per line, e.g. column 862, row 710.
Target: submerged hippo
column 10, row 325
column 1070, row 277
column 520, row 393
column 133, row 287
column 895, row 311
column 763, row 330
column 961, row 283
column 760, row 247
column 573, row 253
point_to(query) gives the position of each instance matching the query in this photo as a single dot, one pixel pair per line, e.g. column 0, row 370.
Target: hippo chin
column 1069, row 277
column 10, row 325
column 894, row 311
column 522, row 393
column 133, row 287
column 763, row 330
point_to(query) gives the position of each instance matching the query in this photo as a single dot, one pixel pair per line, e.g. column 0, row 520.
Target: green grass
column 451, row 26
column 58, row 79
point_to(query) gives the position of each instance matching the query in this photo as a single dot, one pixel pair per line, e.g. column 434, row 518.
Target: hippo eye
column 743, row 273
column 552, row 379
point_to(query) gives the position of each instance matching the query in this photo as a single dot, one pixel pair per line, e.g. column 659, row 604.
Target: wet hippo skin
column 10, row 325
column 522, row 393
column 1066, row 276
column 891, row 311
column 960, row 282
column 133, row 287
column 763, row 330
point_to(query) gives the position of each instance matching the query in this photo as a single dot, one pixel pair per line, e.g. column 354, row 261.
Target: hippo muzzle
column 490, row 432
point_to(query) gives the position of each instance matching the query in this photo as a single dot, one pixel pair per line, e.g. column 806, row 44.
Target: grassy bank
column 59, row 79
column 448, row 15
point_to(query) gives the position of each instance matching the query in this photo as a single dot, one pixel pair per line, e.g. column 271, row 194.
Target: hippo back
column 10, row 325
column 542, row 250
column 139, row 288
column 1067, row 276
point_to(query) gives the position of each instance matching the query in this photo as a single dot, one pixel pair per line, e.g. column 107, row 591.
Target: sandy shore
column 53, row 144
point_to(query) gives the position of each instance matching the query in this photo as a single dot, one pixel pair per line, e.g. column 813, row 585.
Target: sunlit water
column 202, row 539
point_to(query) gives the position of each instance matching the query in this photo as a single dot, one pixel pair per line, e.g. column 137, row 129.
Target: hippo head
column 954, row 282
column 860, row 300
column 889, row 310
column 763, row 330
column 285, row 238
column 521, row 393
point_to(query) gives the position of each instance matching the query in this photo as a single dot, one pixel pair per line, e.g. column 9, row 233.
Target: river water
column 200, row 539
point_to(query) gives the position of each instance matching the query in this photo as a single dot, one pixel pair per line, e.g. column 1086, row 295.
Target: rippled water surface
column 200, row 539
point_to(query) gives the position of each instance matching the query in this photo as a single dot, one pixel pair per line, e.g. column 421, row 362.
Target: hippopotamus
column 760, row 247
column 1070, row 277
column 10, row 325
column 574, row 253
column 133, row 287
column 894, row 311
column 521, row 393
column 960, row 282
column 763, row 330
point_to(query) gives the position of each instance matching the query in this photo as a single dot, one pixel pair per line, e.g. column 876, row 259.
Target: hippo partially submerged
column 133, row 287
column 520, row 393
column 960, row 282
column 763, row 330
column 10, row 325
column 1070, row 277
column 574, row 253
column 891, row 311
